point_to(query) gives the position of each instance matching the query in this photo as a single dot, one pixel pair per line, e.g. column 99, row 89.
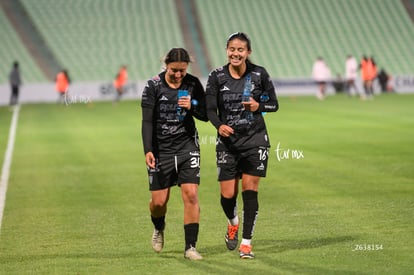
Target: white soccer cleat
column 192, row 254
column 157, row 240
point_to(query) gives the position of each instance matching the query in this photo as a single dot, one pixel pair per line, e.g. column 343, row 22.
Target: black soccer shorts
column 231, row 164
column 171, row 170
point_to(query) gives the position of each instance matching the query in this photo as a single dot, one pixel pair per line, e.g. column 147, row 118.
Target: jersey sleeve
column 272, row 104
column 147, row 106
column 199, row 110
column 211, row 100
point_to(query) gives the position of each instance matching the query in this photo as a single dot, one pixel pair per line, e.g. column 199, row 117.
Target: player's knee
column 158, row 202
column 190, row 198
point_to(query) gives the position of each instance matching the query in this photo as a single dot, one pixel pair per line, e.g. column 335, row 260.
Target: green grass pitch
column 338, row 197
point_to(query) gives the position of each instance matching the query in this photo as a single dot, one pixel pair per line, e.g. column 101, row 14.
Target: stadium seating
column 92, row 38
column 287, row 36
column 13, row 50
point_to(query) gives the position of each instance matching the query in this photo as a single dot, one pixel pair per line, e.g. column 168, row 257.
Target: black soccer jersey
column 224, row 97
column 165, row 128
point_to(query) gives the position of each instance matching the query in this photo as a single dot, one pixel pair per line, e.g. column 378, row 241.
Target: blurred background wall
column 93, row 38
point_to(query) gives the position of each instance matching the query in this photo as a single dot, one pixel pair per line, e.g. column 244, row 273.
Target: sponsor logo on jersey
column 269, row 106
column 224, row 88
column 163, row 98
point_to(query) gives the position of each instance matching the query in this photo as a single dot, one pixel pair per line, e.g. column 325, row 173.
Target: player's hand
column 150, row 160
column 225, row 130
column 251, row 106
column 185, row 102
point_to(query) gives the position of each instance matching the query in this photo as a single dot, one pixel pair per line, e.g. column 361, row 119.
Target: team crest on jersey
column 151, row 173
column 222, row 157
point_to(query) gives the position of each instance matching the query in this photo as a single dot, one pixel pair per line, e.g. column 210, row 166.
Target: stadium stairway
column 92, row 38
column 11, row 50
column 31, row 38
column 193, row 39
column 409, row 6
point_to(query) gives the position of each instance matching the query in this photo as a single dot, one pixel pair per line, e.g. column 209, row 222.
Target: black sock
column 250, row 211
column 229, row 206
column 191, row 234
column 159, row 223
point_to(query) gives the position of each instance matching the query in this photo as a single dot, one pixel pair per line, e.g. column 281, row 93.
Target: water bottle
column 246, row 96
column 180, row 111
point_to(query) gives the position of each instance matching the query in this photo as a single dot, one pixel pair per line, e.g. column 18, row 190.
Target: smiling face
column 175, row 72
column 237, row 52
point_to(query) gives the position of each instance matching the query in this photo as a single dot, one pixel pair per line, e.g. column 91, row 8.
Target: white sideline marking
column 7, row 161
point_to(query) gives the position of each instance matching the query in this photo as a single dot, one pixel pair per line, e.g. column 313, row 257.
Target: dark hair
column 177, row 55
column 241, row 36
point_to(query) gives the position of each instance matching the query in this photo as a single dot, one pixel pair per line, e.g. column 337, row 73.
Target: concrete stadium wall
column 80, row 93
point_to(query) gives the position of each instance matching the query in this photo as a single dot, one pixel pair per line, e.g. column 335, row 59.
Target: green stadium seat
column 12, row 50
column 287, row 36
column 93, row 38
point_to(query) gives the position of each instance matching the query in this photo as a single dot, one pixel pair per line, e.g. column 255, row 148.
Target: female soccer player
column 242, row 142
column 172, row 154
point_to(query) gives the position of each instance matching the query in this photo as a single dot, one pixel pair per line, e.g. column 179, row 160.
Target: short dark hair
column 241, row 36
column 177, row 55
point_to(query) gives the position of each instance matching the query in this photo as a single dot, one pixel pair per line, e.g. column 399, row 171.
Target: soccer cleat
column 246, row 251
column 157, row 240
column 231, row 237
column 192, row 254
